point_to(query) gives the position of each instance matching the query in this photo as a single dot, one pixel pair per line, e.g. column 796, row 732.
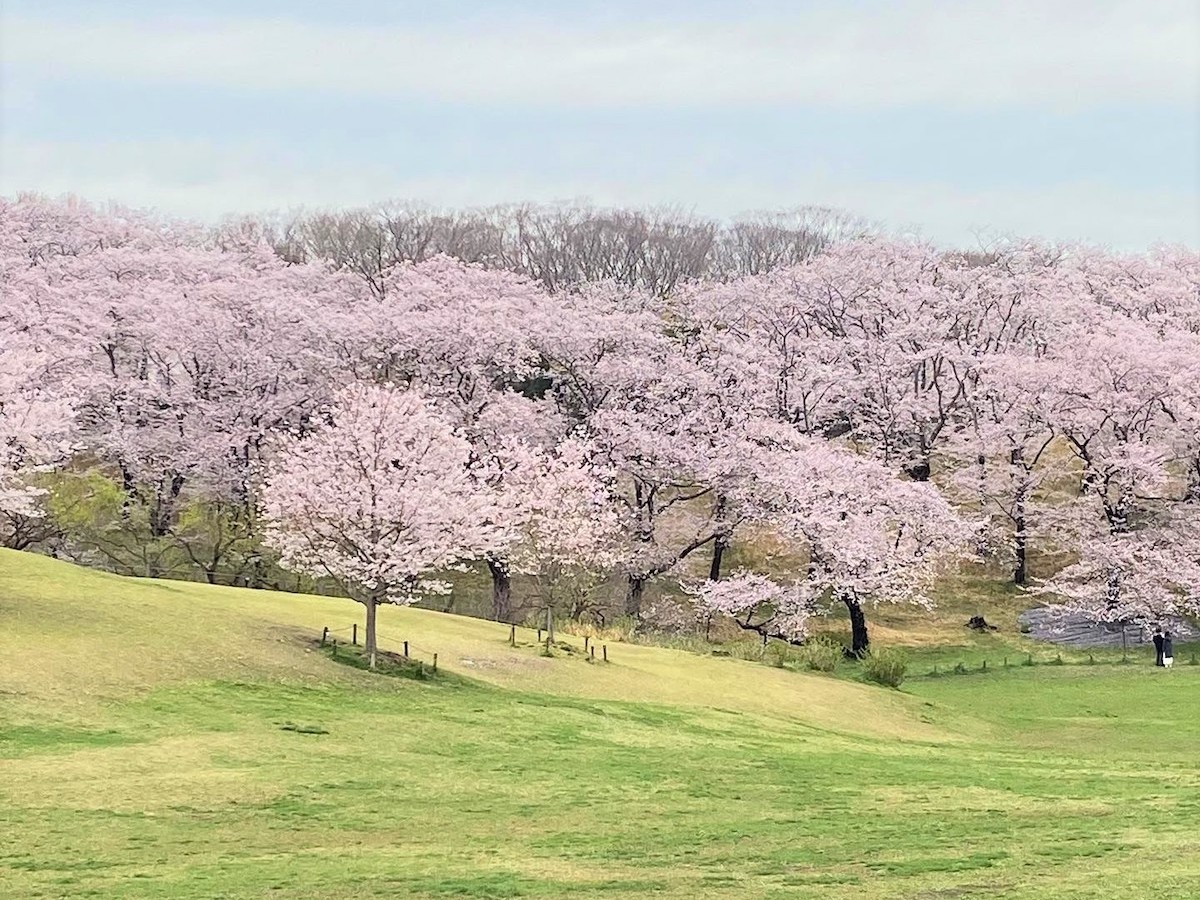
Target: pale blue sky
column 1065, row 119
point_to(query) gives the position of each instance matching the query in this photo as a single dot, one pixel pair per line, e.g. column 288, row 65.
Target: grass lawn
column 181, row 741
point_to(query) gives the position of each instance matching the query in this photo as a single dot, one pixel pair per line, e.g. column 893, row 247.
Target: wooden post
column 593, row 654
column 335, row 647
column 539, row 635
column 585, row 643
column 324, row 635
column 604, row 650
column 354, row 634
column 406, row 649
column 435, row 662
column 512, row 636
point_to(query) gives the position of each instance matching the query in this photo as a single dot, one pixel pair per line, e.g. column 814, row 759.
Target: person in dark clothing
column 1158, row 647
column 1168, row 650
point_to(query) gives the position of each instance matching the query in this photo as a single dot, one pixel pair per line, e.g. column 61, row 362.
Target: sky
column 960, row 121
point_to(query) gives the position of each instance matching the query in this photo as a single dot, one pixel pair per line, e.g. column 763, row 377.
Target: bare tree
column 561, row 245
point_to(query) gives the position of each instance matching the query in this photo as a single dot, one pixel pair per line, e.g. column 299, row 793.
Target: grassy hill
column 163, row 739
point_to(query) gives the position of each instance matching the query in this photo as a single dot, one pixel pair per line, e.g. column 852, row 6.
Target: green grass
column 163, row 740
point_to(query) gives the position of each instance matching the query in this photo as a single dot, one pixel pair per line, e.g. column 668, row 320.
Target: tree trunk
column 1021, row 548
column 371, row 605
column 720, row 541
column 1020, row 536
column 920, row 470
column 860, row 641
column 633, row 595
column 1021, row 543
column 162, row 514
column 550, row 625
column 719, row 546
column 501, row 590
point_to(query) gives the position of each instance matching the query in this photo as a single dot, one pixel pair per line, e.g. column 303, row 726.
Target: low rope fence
column 410, row 650
column 1026, row 660
column 329, row 638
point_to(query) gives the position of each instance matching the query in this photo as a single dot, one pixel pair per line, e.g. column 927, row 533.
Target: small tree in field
column 34, row 428
column 569, row 535
column 757, row 603
column 379, row 500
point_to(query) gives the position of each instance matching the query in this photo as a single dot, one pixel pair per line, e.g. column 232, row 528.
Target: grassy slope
column 141, row 755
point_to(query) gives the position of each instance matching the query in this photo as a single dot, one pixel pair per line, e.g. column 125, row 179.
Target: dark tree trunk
column 1020, row 535
column 1021, row 548
column 719, row 547
column 720, row 541
column 633, row 595
column 920, row 471
column 162, row 516
column 371, row 645
column 1021, row 542
column 860, row 641
column 501, row 590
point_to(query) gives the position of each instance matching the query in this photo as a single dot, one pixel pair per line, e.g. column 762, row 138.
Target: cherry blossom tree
column 569, row 534
column 760, row 604
column 619, row 378
column 836, row 389
column 871, row 536
column 181, row 354
column 461, row 335
column 381, row 499
column 35, row 428
column 1120, row 404
column 1007, row 450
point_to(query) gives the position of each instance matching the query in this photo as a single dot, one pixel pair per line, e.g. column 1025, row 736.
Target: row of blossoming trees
column 181, row 402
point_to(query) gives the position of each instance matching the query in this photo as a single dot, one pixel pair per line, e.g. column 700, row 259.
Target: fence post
column 435, row 662
column 354, row 634
column 512, row 636
column 335, row 648
column 539, row 635
column 324, row 635
column 593, row 654
column 406, row 649
column 604, row 649
column 586, row 639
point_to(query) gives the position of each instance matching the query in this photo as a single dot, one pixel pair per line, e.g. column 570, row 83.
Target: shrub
column 885, row 666
column 750, row 650
column 821, row 654
column 777, row 654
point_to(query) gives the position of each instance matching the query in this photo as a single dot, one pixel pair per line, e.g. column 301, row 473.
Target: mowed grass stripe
column 169, row 773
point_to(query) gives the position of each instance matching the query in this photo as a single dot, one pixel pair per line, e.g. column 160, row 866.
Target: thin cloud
column 192, row 178
column 1005, row 53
